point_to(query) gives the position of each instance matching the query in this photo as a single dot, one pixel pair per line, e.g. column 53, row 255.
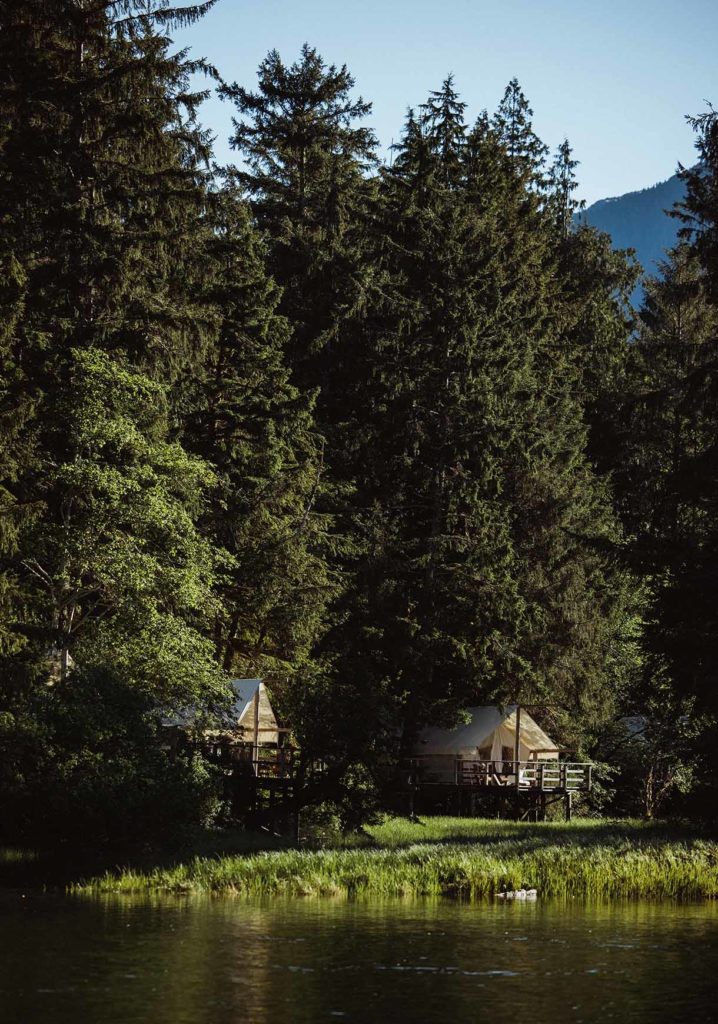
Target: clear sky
column 614, row 76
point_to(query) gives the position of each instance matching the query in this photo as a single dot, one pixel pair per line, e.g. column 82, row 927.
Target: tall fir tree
column 699, row 210
column 307, row 155
column 665, row 490
column 670, row 497
column 525, row 151
column 562, row 184
column 257, row 430
column 592, row 308
column 689, row 618
column 106, row 235
column 491, row 574
column 103, row 170
column 306, row 175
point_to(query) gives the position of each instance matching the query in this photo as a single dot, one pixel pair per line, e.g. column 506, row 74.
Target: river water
column 200, row 960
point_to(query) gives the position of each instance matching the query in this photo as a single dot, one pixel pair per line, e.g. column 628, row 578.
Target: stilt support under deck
column 568, row 804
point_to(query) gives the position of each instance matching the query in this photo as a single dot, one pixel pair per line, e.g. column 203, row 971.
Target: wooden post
column 568, row 804
column 517, row 756
column 255, row 744
column 413, row 786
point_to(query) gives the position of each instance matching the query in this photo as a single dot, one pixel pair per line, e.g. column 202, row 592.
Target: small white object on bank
column 518, row 894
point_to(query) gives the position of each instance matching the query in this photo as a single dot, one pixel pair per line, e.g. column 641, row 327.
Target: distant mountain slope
column 638, row 220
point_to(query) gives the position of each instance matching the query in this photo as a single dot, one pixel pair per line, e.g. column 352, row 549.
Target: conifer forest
column 385, row 433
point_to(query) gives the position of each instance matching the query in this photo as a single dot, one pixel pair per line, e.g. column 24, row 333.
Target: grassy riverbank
column 449, row 856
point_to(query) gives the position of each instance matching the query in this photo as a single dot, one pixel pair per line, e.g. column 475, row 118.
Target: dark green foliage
column 653, row 756
column 669, row 496
column 699, row 210
column 525, row 151
column 105, row 546
column 256, row 429
column 104, row 569
column 669, row 491
column 86, row 762
column 307, row 158
column 354, row 431
column 562, row 184
column 691, row 619
column 668, row 427
column 492, row 568
column 100, row 128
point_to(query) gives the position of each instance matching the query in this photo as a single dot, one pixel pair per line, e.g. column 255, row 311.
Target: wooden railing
column 263, row 762
column 274, row 764
column 544, row 775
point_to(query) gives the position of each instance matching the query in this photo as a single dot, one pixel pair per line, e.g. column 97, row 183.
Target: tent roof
column 245, row 690
column 483, row 723
column 241, row 708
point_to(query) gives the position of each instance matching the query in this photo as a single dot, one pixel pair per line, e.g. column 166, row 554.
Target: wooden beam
column 568, row 804
column 517, row 762
column 255, row 745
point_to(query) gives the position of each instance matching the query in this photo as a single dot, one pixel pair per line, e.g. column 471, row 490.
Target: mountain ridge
column 639, row 220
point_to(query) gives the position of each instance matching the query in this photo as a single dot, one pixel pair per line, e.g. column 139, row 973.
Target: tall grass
column 471, row 859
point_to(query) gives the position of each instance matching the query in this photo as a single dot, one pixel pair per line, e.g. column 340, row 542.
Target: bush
column 85, row 762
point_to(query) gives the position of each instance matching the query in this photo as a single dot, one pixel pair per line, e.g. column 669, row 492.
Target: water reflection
column 202, row 960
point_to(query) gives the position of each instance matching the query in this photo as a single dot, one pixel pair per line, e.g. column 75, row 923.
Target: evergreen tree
column 104, row 183
column 525, row 151
column 121, row 575
column 106, row 197
column 699, row 211
column 257, row 430
column 666, row 488
column 670, row 426
column 307, row 156
column 562, row 184
column 592, row 308
column 490, row 576
column 442, row 121
column 688, row 601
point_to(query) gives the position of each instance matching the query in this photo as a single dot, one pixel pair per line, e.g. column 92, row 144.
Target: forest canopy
column 388, row 435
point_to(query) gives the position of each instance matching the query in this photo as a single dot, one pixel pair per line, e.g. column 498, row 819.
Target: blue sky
column 615, row 77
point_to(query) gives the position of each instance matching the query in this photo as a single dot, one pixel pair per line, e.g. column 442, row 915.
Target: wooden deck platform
column 449, row 784
column 543, row 775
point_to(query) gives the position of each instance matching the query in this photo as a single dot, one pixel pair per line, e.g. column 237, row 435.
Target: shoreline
column 466, row 858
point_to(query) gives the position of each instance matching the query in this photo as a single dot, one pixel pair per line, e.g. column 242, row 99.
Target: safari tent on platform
column 489, row 735
column 250, row 718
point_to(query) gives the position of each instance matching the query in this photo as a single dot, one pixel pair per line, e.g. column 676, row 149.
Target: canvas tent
column 489, row 735
column 250, row 718
column 252, row 706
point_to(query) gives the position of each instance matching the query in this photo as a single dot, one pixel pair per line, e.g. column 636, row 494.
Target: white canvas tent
column 252, row 707
column 489, row 735
column 250, row 718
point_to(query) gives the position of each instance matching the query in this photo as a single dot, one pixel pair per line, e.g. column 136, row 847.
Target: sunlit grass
column 463, row 857
column 17, row 855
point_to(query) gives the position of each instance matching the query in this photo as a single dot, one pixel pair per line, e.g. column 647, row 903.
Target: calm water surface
column 216, row 961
